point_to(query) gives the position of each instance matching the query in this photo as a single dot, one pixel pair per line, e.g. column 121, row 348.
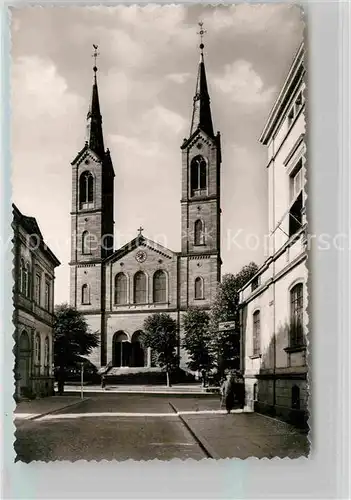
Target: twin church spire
column 201, row 115
column 95, row 138
column 201, row 118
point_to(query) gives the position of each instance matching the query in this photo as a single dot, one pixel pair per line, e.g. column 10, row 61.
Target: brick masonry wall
column 127, row 323
column 201, row 207
column 129, row 266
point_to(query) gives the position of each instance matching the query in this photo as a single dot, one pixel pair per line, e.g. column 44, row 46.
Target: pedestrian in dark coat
column 103, row 381
column 228, row 393
column 61, row 380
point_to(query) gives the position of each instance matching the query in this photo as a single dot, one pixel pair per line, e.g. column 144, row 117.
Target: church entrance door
column 138, row 353
column 121, row 350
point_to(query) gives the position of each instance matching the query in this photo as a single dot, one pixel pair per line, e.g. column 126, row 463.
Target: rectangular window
column 291, row 116
column 296, row 318
column 298, row 103
column 296, row 180
column 37, row 288
column 255, row 283
column 47, row 295
column 256, row 334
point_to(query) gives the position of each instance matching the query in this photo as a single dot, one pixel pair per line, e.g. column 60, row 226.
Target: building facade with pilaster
column 273, row 303
column 33, row 296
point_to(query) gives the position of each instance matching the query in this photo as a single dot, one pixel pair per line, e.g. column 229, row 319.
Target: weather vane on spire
column 95, row 55
column 201, row 33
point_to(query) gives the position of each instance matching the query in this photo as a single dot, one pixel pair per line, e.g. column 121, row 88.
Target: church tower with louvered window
column 200, row 201
column 91, row 217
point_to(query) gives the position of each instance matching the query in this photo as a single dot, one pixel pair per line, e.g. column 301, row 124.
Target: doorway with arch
column 126, row 352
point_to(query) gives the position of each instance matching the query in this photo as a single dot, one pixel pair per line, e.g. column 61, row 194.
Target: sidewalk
column 36, row 407
column 244, row 435
column 144, row 389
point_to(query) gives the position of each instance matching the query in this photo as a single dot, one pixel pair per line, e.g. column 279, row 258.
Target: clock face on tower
column 140, row 256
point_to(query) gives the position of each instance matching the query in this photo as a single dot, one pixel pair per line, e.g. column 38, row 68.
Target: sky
column 147, row 74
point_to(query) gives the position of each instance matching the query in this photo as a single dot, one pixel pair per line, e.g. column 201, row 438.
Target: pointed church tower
column 91, row 216
column 200, row 202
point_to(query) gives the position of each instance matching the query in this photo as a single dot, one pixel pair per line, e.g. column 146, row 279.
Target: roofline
column 280, row 101
column 44, row 248
column 107, row 157
column 199, row 130
column 128, row 247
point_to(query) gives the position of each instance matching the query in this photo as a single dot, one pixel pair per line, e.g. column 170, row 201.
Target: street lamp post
column 81, row 380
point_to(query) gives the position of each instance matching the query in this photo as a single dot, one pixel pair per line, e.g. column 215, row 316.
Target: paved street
column 148, row 426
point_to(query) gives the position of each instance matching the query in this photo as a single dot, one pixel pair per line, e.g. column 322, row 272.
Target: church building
column 118, row 289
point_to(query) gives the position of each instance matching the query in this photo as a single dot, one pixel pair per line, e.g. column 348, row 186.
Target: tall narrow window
column 37, row 288
column 296, row 315
column 256, row 348
column 29, row 282
column 159, row 286
column 198, row 176
column 199, row 288
column 20, row 276
column 120, row 288
column 295, row 397
column 24, row 278
column 47, row 295
column 140, row 288
column 86, row 190
column 296, row 199
column 86, row 243
column 47, row 354
column 37, row 346
column 296, row 181
column 85, row 294
column 199, row 233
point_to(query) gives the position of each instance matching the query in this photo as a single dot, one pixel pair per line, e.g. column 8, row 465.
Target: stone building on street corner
column 33, row 297
column 274, row 301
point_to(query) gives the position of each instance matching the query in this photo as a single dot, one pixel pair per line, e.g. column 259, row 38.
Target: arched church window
column 120, row 288
column 199, row 288
column 160, row 286
column 140, row 288
column 86, row 243
column 86, row 190
column 198, row 175
column 85, row 294
column 199, row 231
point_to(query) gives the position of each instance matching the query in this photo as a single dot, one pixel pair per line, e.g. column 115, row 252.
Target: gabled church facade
column 118, row 289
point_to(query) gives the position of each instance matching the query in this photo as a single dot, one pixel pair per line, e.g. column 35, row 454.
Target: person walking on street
column 61, row 380
column 103, row 381
column 227, row 390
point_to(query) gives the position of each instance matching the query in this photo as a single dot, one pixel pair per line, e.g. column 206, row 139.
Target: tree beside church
column 226, row 344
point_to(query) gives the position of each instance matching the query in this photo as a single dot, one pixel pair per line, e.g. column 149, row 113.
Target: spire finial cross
column 141, row 229
column 95, row 56
column 201, row 33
